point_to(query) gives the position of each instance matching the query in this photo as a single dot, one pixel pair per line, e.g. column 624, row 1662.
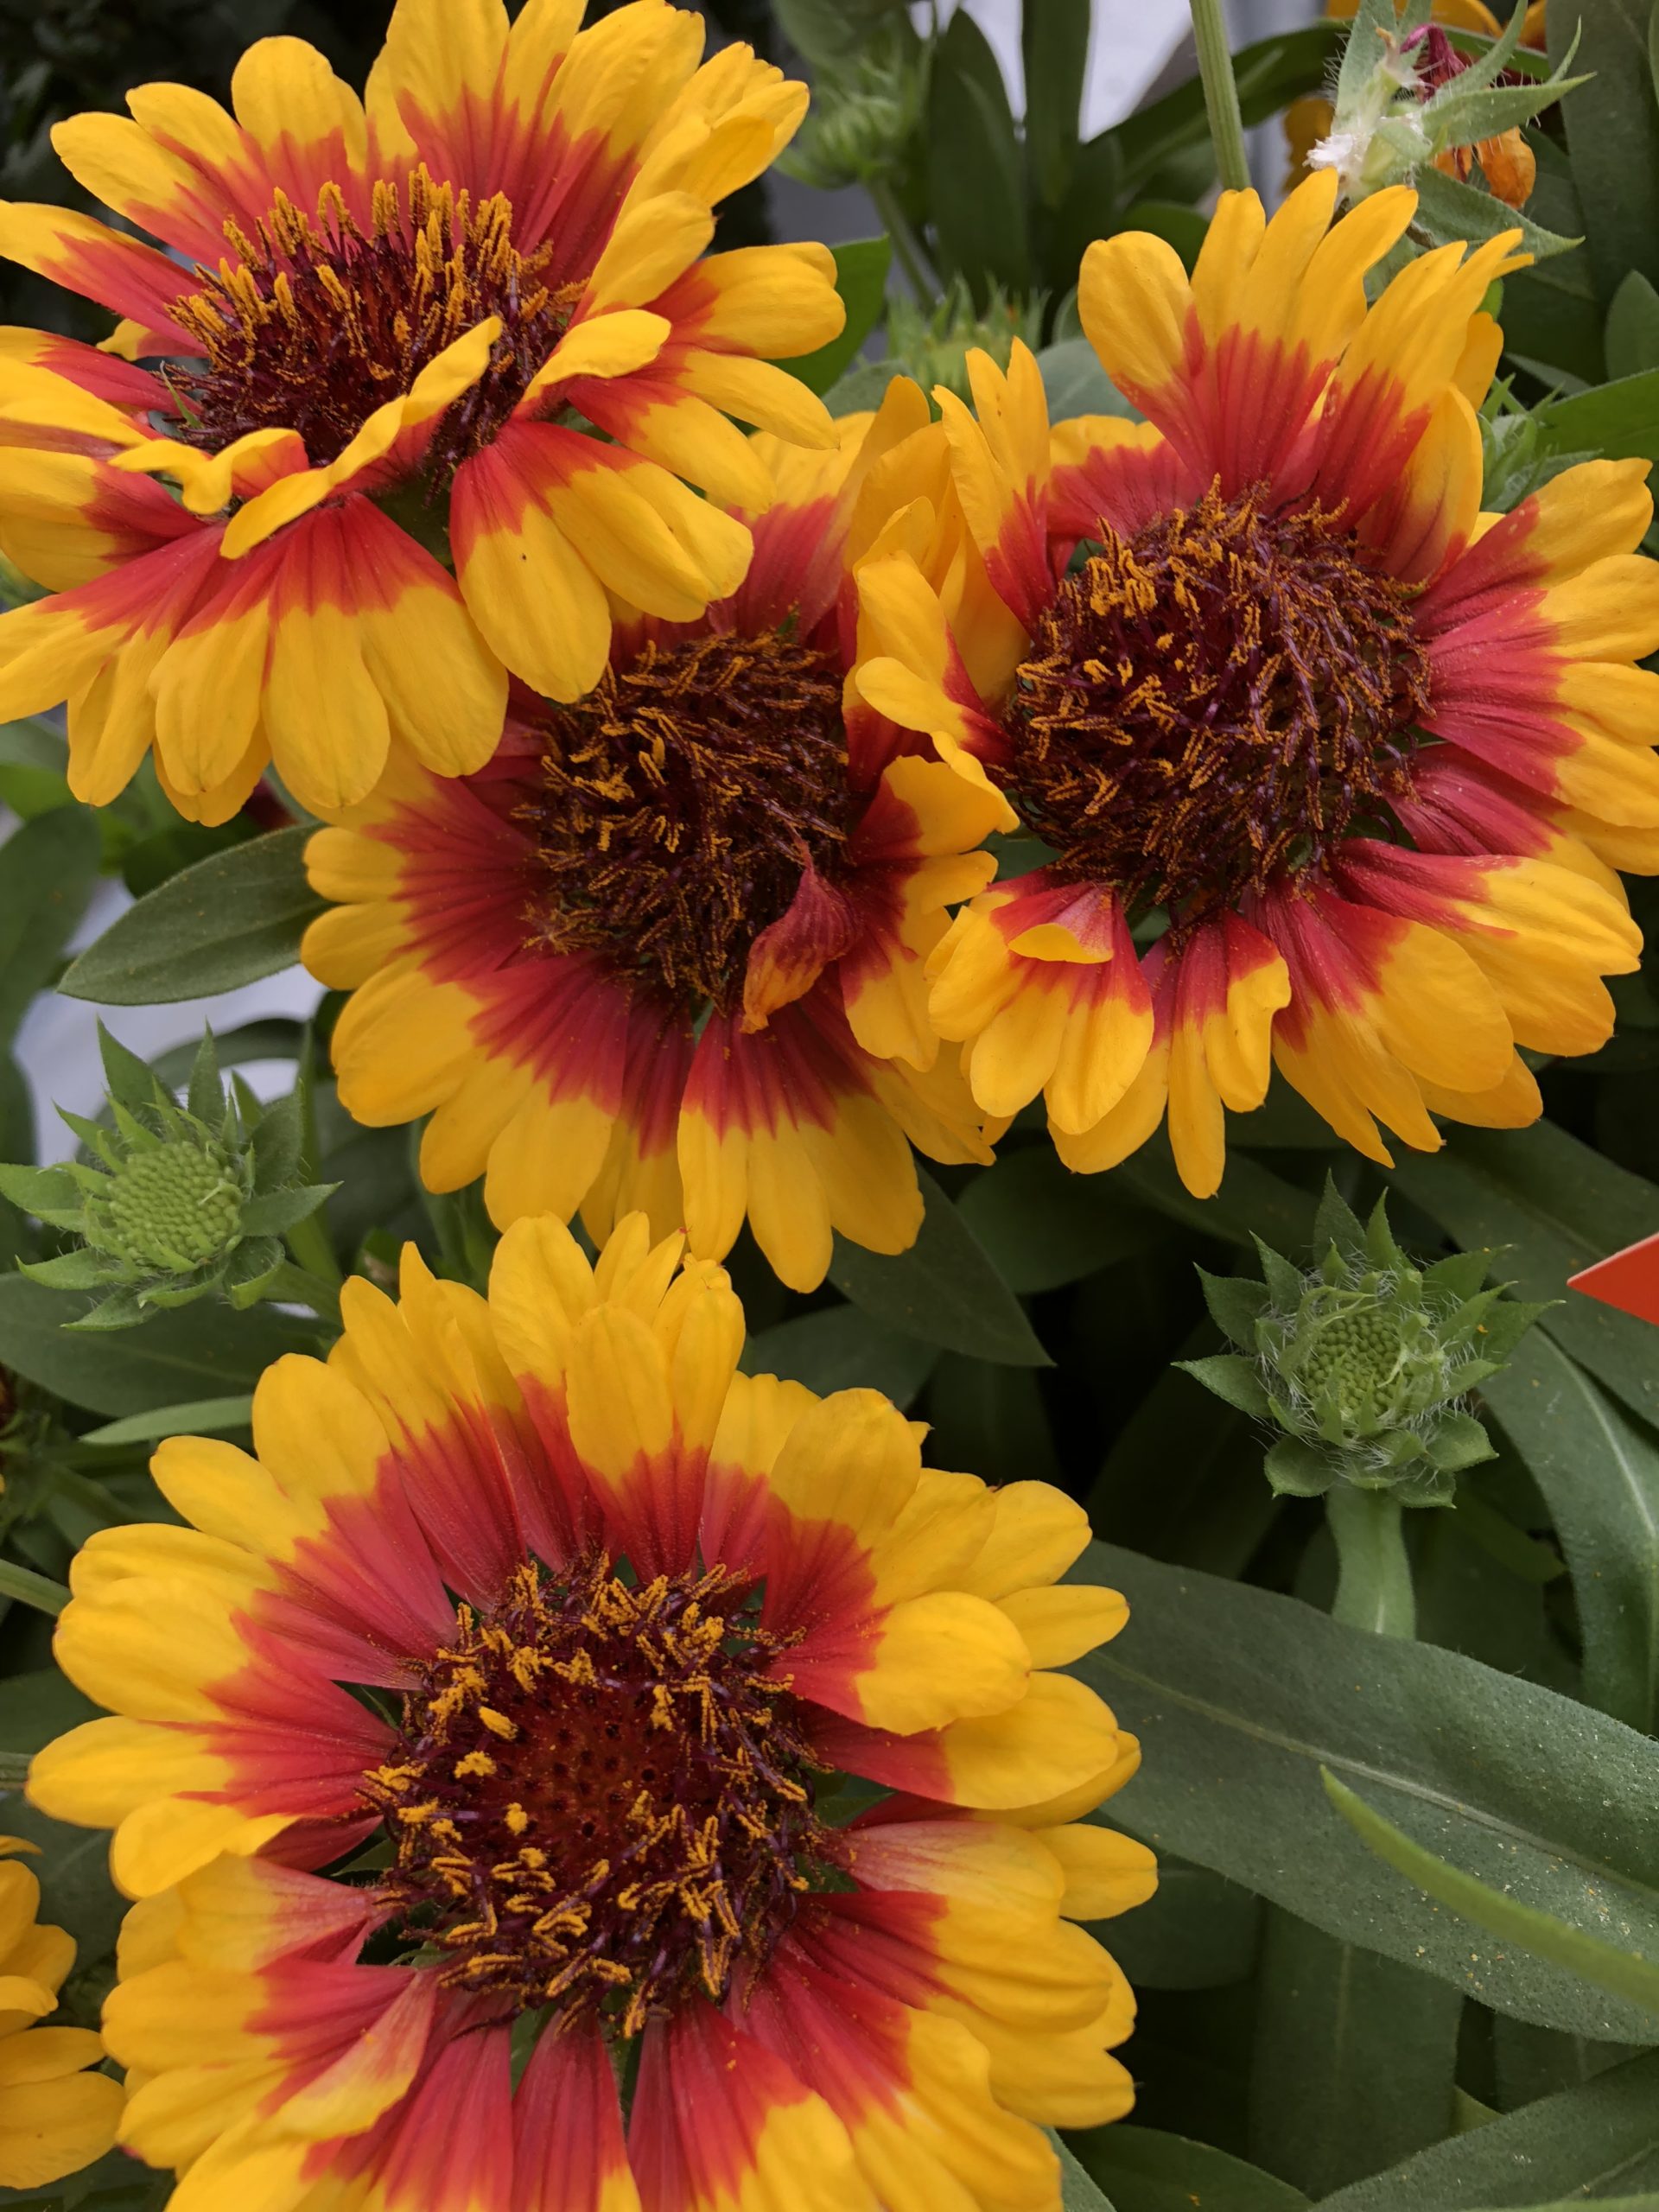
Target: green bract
column 177, row 1201
column 1365, row 1362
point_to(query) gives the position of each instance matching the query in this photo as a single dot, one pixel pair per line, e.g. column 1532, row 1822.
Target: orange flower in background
column 668, row 951
column 374, row 322
column 1334, row 770
column 578, row 1628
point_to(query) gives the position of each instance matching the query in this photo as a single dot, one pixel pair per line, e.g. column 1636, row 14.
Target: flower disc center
column 313, row 323
column 682, row 801
column 1215, row 699
column 599, row 1799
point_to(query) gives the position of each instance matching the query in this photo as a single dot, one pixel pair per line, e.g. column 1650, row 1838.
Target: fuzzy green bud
column 933, row 348
column 174, row 1209
column 1364, row 1363
column 173, row 1201
column 863, row 116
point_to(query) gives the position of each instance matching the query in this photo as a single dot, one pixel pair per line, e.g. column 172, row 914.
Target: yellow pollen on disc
column 601, row 1802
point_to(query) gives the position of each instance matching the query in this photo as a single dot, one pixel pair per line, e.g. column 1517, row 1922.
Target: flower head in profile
column 55, row 2115
column 549, row 1633
column 668, row 951
column 1334, row 770
column 381, row 326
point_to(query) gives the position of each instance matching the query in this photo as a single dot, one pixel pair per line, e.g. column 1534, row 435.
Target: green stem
column 14, row 1769
column 1221, row 94
column 906, row 244
column 31, row 1589
column 1373, row 1570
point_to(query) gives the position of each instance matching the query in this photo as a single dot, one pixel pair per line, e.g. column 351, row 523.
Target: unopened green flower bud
column 934, row 349
column 176, row 1201
column 861, row 120
column 1363, row 1364
column 176, row 1208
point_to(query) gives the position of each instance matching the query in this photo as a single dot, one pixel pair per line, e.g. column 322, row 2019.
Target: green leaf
column 1561, row 2149
column 1598, row 1471
column 1625, row 1973
column 1246, row 1695
column 51, row 1194
column 1079, row 2192
column 1560, row 1205
column 1236, row 1304
column 1252, row 1202
column 278, row 1210
column 862, row 280
column 1054, row 44
column 839, row 1348
column 38, row 1707
column 1448, row 209
column 1619, row 420
column 1612, row 134
column 1196, row 1931
column 991, row 1422
column 200, row 1417
column 944, row 1289
column 207, row 1350
column 1352, row 2059
column 1042, row 1226
column 48, row 869
column 1632, row 338
column 1298, row 1469
column 1552, row 313
column 1075, row 383
column 829, row 33
column 77, row 1270
column 226, row 921
column 1183, row 1479
column 1149, row 2172
column 1233, row 1378
column 975, row 190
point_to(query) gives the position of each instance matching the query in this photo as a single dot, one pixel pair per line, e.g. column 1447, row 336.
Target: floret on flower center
column 314, row 322
column 681, row 802
column 599, row 1799
column 1214, row 699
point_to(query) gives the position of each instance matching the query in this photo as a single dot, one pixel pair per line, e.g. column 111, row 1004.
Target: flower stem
column 906, row 244
column 1373, row 1570
column 31, row 1589
column 1221, row 94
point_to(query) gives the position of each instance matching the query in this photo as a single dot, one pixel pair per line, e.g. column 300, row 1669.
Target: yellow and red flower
column 668, row 951
column 570, row 1622
column 55, row 2116
column 1335, row 769
column 375, row 324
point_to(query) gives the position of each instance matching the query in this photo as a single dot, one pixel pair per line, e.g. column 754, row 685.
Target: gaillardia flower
column 55, row 2117
column 1334, row 769
column 667, row 951
column 546, row 1631
column 374, row 326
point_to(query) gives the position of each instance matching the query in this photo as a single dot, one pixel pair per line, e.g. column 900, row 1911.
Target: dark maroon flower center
column 1214, row 700
column 312, row 324
column 680, row 803
column 599, row 1799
